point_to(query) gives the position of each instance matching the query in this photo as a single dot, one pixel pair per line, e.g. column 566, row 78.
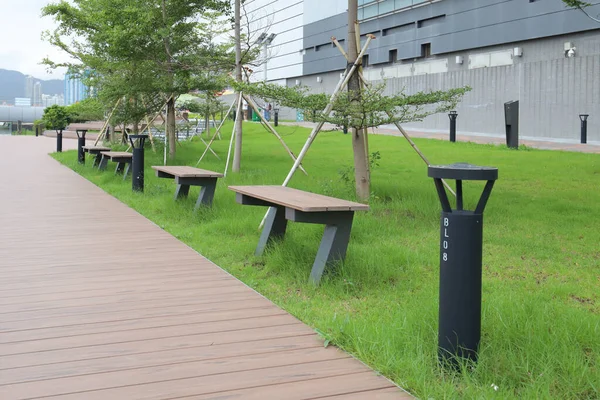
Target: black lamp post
column 276, row 116
column 137, row 161
column 59, row 140
column 453, row 115
column 461, row 242
column 583, row 118
column 80, row 143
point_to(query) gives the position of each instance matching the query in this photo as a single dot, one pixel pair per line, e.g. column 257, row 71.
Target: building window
column 372, row 8
column 426, row 50
column 365, row 60
column 393, row 56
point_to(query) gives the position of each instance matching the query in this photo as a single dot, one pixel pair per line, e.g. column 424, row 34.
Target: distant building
column 75, row 89
column 37, row 94
column 50, row 100
column 22, row 101
column 29, row 84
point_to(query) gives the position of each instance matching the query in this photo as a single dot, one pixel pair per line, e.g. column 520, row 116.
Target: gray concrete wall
column 448, row 25
column 552, row 89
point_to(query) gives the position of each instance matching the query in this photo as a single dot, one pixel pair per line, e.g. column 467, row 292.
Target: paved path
column 96, row 302
column 554, row 144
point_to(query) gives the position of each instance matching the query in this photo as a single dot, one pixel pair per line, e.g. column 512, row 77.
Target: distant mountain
column 12, row 84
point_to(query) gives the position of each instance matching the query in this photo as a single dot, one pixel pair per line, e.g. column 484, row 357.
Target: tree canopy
column 374, row 108
column 56, row 117
column 145, row 51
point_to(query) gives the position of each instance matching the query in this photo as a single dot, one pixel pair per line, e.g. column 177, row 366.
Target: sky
column 21, row 46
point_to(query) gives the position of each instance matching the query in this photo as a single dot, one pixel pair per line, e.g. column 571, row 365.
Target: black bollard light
column 583, row 118
column 137, row 161
column 59, row 141
column 276, row 116
column 511, row 117
column 80, row 143
column 453, row 115
column 461, row 241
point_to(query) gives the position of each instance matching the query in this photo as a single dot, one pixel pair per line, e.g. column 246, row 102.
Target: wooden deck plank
column 364, row 383
column 146, row 375
column 97, row 302
column 87, row 305
column 87, row 319
column 168, row 357
column 199, row 385
column 137, row 324
column 76, row 352
column 62, row 343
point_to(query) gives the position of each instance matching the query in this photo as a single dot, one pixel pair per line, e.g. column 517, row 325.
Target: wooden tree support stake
column 239, row 105
column 212, row 139
column 268, row 126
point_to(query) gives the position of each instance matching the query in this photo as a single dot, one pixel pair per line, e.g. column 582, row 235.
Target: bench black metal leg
column 120, row 168
column 207, row 193
column 182, row 191
column 97, row 160
column 333, row 246
column 275, row 226
column 127, row 171
column 103, row 163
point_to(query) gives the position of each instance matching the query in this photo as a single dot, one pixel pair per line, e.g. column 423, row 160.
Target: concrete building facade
column 539, row 52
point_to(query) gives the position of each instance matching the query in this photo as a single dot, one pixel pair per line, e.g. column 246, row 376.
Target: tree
column 237, row 153
column 90, row 109
column 56, row 117
column 359, row 134
column 581, row 5
column 373, row 108
column 140, row 49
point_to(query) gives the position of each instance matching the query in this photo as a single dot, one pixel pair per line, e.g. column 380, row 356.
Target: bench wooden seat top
column 186, row 172
column 298, row 199
column 116, row 154
column 96, row 148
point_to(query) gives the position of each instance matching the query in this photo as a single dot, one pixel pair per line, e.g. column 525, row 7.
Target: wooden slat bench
column 122, row 158
column 190, row 176
column 95, row 151
column 300, row 206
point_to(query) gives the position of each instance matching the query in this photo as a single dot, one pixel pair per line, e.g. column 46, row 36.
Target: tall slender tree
column 237, row 153
column 359, row 133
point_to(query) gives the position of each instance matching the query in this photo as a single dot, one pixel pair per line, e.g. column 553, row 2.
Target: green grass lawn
column 24, row 132
column 541, row 257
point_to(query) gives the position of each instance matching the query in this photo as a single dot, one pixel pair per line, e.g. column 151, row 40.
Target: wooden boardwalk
column 97, row 302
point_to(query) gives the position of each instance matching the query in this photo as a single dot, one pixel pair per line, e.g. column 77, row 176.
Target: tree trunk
column 170, row 128
column 359, row 134
column 171, row 134
column 207, row 116
column 136, row 123
column 237, row 153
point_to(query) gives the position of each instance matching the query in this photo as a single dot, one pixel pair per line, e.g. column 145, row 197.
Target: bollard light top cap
column 463, row 171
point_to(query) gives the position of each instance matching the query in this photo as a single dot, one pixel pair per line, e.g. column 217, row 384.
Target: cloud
column 22, row 47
